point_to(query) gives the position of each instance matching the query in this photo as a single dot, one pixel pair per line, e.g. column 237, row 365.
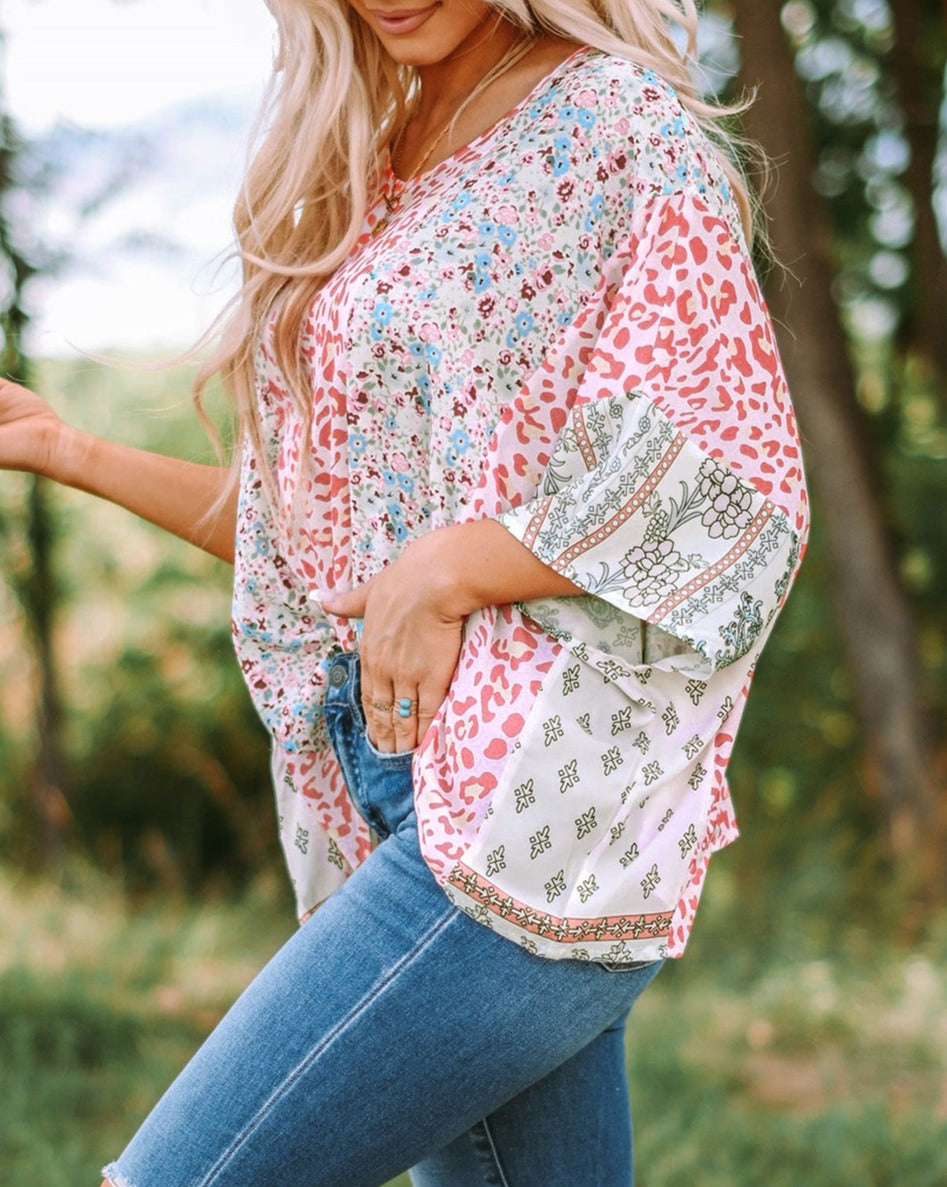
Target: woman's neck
column 445, row 84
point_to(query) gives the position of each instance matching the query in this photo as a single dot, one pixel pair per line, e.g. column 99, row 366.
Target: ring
column 382, row 706
column 406, row 707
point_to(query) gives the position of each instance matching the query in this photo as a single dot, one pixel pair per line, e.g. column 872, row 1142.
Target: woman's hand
column 29, row 430
column 414, row 612
column 411, row 638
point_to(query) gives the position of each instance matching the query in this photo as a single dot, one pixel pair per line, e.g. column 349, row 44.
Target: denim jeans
column 392, row 1032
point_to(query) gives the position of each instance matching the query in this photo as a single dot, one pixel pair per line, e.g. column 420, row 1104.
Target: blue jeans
column 392, row 1032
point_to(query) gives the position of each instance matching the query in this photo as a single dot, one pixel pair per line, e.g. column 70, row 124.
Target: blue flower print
column 567, row 112
column 417, row 350
column 543, row 101
column 563, row 144
column 488, row 228
column 383, row 312
column 460, row 440
column 406, row 482
column 522, row 324
column 261, row 541
column 560, row 165
column 506, row 235
column 586, row 119
column 397, row 524
column 596, row 210
column 483, row 261
column 434, row 354
column 675, row 129
column 358, row 443
column 390, row 477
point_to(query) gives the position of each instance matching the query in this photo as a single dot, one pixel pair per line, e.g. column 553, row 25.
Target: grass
column 822, row 1074
column 810, row 1070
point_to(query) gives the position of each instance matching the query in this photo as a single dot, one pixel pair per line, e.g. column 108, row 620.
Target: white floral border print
column 636, row 514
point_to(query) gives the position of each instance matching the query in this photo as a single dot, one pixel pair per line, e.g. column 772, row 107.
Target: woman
column 520, row 498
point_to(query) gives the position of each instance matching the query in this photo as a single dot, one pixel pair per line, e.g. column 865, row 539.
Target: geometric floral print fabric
column 558, row 328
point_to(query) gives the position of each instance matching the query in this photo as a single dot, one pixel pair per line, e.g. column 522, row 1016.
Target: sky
column 104, row 63
column 115, row 65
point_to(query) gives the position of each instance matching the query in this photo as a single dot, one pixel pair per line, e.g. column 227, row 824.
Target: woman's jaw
column 420, row 33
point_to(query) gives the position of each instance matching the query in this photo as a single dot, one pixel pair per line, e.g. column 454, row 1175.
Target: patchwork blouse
column 558, row 327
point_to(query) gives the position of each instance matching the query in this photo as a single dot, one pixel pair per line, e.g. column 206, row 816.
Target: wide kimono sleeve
column 653, row 459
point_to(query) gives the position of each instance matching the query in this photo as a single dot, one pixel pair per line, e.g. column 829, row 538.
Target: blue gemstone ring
column 405, row 706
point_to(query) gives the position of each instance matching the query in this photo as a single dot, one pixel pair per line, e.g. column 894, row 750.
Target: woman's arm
column 174, row 494
column 471, row 565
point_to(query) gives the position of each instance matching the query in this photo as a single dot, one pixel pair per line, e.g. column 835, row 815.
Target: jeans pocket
column 395, row 758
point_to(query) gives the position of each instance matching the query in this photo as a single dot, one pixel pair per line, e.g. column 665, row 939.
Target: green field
column 823, row 1071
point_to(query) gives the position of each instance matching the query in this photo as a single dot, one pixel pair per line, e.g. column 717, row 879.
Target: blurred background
column 804, row 1038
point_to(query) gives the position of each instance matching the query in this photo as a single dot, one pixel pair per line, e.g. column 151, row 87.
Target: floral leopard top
column 560, row 328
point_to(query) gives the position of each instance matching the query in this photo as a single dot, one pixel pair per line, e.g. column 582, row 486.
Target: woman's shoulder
column 611, row 84
column 633, row 121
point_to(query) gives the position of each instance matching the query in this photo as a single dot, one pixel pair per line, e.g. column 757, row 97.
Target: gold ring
column 382, row 706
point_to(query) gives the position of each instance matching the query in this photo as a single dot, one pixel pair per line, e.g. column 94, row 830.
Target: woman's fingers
column 377, row 704
column 426, row 714
column 392, row 718
column 405, row 719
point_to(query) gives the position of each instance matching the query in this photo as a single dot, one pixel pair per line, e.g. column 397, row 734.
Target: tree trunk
column 46, row 777
column 36, row 588
column 919, row 72
column 871, row 606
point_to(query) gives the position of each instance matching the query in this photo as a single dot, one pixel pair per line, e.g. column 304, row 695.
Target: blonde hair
column 335, row 102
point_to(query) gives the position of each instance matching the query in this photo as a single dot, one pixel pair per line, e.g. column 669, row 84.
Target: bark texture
column 872, row 608
column 919, row 70
column 34, row 585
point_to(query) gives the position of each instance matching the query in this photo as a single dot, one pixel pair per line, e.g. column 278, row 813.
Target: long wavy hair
column 334, row 104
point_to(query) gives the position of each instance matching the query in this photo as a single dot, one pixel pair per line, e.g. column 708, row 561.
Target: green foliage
column 98, row 1013
column 167, row 768
column 822, row 1072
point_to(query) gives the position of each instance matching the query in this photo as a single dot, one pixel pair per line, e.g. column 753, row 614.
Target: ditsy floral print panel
column 558, row 328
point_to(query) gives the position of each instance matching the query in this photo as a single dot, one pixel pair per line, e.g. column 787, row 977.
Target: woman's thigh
column 387, row 1026
column 572, row 1128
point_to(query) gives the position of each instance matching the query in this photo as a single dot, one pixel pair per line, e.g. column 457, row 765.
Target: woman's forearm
column 482, row 564
column 176, row 495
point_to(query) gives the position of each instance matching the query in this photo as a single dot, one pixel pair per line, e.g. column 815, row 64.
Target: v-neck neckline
column 394, row 184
